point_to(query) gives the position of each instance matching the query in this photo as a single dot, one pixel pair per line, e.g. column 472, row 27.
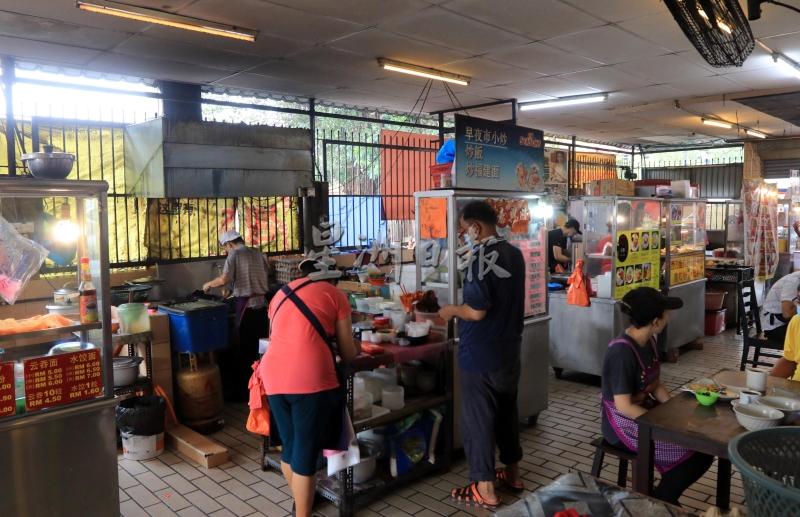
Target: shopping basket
column 769, row 461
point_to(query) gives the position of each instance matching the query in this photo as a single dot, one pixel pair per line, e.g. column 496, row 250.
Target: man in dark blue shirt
column 490, row 332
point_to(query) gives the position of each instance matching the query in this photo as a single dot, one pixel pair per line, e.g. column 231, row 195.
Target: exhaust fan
column 717, row 28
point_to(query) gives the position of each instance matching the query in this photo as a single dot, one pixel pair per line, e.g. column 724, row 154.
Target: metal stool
column 602, row 448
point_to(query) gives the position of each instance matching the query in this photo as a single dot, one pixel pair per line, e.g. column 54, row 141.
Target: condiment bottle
column 88, row 295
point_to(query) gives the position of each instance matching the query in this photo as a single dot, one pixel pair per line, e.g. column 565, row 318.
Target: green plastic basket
column 769, row 461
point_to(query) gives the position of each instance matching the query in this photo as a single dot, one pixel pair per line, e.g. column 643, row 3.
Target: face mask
column 471, row 237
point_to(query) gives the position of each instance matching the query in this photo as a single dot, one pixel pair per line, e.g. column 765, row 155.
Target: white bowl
column 755, row 417
column 789, row 406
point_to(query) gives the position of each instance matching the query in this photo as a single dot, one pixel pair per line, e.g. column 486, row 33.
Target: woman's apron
column 667, row 455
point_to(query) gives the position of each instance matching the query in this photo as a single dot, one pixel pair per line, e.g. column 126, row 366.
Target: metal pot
column 49, row 164
column 126, row 370
column 66, row 295
column 156, row 287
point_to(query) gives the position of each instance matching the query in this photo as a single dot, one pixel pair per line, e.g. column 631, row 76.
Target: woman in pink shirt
column 299, row 375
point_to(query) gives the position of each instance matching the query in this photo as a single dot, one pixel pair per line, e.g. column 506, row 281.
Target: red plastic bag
column 258, row 419
column 578, row 292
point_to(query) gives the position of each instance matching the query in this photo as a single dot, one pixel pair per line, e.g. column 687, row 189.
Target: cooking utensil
column 49, row 164
column 126, row 370
column 129, row 294
column 66, row 295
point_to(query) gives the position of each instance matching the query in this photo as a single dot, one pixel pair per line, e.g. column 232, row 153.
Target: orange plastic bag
column 258, row 419
column 578, row 292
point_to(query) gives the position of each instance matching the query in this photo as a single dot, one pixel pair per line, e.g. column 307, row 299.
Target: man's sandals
column 469, row 495
column 504, row 482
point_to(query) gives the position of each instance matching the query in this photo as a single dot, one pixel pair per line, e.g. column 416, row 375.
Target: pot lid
column 127, row 362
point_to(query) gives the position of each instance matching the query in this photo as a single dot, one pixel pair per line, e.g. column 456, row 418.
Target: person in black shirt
column 557, row 244
column 490, row 323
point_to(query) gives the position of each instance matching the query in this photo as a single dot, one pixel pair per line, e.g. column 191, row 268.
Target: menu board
column 62, row 379
column 7, row 402
column 637, row 261
column 498, row 156
column 535, row 274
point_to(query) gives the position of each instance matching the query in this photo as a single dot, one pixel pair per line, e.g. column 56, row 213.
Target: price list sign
column 62, row 379
column 7, row 401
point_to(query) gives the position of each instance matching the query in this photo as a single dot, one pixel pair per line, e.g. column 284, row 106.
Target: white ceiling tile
column 619, row 10
column 766, row 78
column 788, row 44
column 714, row 85
column 65, row 11
column 361, row 98
column 606, row 79
column 155, row 68
column 266, row 46
column 757, row 60
column 661, row 29
column 608, row 44
column 272, row 19
column 663, row 69
column 556, row 87
column 273, row 84
column 489, row 72
column 648, row 94
column 543, row 59
column 50, row 53
column 775, row 20
column 53, row 31
column 435, row 25
column 512, row 91
column 545, row 19
column 143, row 46
column 323, row 65
column 368, row 12
column 377, row 43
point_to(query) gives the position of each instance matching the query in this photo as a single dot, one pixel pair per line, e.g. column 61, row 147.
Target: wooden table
column 683, row 421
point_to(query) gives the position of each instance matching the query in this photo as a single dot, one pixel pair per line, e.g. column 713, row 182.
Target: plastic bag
column 142, row 416
column 447, row 153
column 258, row 419
column 578, row 292
column 20, row 259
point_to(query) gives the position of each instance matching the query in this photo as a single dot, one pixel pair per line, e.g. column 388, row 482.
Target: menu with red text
column 62, row 379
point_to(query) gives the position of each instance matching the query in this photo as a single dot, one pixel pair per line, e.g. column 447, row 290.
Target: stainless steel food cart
column 523, row 221
column 61, row 459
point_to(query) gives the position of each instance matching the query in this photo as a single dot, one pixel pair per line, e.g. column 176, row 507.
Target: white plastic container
column 387, row 375
column 133, row 318
column 139, row 448
column 393, row 397
column 362, row 406
column 373, row 384
column 399, row 318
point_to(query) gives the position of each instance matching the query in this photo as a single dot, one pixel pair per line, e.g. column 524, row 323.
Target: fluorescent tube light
column 421, row 71
column 563, row 101
column 757, row 134
column 716, row 123
column 787, row 64
column 142, row 14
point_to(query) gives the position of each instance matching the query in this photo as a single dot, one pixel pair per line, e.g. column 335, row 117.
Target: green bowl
column 707, row 398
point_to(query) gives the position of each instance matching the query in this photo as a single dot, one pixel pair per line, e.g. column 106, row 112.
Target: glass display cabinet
column 522, row 220
column 57, row 402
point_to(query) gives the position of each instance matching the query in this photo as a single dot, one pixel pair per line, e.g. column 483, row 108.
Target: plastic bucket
column 138, row 448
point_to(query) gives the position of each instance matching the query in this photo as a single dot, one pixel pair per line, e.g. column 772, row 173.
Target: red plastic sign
column 62, row 379
column 8, row 405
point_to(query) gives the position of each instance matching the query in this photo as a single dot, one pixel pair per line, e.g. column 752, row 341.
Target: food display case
column 57, row 434
column 621, row 239
column 725, row 232
column 522, row 220
column 683, row 231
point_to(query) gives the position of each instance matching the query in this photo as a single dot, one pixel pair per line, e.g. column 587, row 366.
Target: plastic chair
column 750, row 325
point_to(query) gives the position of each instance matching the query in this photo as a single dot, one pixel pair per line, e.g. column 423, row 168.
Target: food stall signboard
column 7, row 401
column 496, row 156
column 637, row 261
column 62, row 379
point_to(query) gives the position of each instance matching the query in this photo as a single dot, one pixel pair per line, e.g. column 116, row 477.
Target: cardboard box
column 202, row 450
column 610, row 187
column 159, row 326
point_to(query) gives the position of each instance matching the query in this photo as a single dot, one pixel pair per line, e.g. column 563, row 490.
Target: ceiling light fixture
column 787, row 64
column 716, row 123
column 421, row 71
column 753, row 132
column 563, row 101
column 142, row 14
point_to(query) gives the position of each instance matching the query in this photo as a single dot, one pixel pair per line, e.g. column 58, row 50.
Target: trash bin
column 140, row 421
column 769, row 461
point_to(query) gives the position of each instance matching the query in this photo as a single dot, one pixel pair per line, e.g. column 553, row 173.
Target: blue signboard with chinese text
column 498, row 156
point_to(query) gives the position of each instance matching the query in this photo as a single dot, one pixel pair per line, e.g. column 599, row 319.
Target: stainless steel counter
column 579, row 336
column 687, row 324
column 61, row 463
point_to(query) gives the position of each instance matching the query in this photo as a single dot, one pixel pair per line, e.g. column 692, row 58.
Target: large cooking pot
column 156, row 285
column 66, row 295
column 49, row 164
column 129, row 294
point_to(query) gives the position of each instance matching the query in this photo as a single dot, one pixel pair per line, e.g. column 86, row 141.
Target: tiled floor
column 169, row 485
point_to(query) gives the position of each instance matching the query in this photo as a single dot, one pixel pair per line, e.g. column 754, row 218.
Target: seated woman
column 631, row 385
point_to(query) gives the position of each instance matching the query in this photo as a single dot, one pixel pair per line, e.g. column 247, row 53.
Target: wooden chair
column 750, row 325
column 602, row 448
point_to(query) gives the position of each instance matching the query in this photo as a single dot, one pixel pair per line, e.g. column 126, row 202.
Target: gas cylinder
column 200, row 395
